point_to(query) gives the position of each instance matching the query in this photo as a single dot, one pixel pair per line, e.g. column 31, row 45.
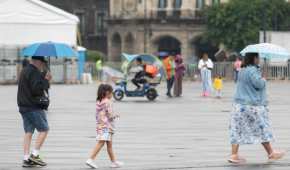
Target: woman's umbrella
column 267, row 51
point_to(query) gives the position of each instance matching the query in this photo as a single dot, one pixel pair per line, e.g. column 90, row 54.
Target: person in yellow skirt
column 218, row 86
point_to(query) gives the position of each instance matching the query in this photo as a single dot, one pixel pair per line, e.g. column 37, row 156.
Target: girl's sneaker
column 91, row 164
column 117, row 164
column 206, row 94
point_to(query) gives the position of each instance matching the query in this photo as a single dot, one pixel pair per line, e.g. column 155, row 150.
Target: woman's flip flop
column 276, row 155
column 234, row 159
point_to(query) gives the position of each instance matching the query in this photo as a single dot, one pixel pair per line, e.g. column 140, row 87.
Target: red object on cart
column 151, row 69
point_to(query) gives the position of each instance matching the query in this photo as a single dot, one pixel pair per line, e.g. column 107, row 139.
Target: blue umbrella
column 129, row 57
column 49, row 49
column 145, row 57
column 163, row 54
column 267, row 51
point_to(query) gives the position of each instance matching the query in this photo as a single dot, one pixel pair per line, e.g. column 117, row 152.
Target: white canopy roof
column 24, row 22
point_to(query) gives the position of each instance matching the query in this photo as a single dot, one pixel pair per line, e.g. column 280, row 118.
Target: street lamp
column 264, row 23
column 145, row 25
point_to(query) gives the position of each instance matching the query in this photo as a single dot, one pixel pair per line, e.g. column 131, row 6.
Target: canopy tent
column 24, row 22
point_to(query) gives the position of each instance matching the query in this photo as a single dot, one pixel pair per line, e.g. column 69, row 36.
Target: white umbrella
column 267, row 51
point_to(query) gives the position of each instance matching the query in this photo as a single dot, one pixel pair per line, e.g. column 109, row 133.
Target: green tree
column 237, row 23
column 94, row 56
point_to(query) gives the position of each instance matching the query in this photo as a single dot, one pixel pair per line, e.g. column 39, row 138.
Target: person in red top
column 169, row 65
column 179, row 72
column 237, row 68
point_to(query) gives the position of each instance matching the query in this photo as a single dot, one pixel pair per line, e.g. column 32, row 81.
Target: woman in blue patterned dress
column 249, row 123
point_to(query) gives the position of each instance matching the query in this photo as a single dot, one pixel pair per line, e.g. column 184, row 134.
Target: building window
column 100, row 24
column 82, row 24
column 200, row 4
column 177, row 4
column 162, row 4
column 215, row 2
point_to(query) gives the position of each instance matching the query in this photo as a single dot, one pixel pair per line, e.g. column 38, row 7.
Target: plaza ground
column 179, row 133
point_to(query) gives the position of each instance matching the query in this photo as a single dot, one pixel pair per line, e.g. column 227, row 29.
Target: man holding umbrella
column 32, row 101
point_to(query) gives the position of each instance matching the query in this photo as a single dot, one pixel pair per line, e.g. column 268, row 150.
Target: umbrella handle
column 48, row 63
column 265, row 69
column 48, row 67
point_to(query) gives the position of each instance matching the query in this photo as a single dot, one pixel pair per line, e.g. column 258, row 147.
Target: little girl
column 105, row 126
column 218, row 85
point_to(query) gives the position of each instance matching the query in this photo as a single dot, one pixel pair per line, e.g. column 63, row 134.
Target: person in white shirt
column 205, row 66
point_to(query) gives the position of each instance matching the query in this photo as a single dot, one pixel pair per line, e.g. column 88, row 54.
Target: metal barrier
column 275, row 72
column 66, row 72
column 224, row 69
column 61, row 73
column 8, row 73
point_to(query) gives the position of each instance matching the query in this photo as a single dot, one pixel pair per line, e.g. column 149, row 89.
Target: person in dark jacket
column 25, row 63
column 139, row 77
column 32, row 101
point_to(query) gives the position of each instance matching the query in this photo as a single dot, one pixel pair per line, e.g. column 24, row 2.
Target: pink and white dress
column 105, row 118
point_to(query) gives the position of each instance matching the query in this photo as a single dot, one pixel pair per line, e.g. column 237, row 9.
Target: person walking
column 205, row 66
column 237, row 68
column 99, row 69
column 105, row 118
column 25, row 62
column 169, row 65
column 32, row 101
column 249, row 122
column 179, row 73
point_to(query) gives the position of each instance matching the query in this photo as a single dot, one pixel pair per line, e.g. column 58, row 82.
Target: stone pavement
column 180, row 133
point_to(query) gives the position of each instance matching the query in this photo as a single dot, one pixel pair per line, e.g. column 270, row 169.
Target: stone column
column 169, row 9
column 110, row 58
column 208, row 2
column 151, row 46
column 185, row 48
column 187, row 8
column 111, row 8
column 152, row 8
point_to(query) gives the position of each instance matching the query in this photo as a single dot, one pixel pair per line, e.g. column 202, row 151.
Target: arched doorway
column 129, row 44
column 199, row 45
column 116, row 47
column 169, row 45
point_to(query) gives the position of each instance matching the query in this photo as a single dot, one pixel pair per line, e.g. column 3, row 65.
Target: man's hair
column 39, row 58
column 139, row 59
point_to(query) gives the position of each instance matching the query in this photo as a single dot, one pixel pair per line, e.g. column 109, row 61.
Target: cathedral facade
column 154, row 26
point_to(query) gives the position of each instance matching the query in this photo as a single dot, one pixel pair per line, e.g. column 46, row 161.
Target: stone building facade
column 152, row 26
column 92, row 15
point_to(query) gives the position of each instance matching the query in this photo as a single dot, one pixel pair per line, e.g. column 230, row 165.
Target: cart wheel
column 118, row 95
column 151, row 94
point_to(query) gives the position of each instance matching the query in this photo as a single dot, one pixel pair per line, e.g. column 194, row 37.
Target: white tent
column 23, row 22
